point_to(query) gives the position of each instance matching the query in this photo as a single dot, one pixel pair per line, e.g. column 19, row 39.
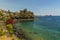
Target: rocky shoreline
column 22, row 34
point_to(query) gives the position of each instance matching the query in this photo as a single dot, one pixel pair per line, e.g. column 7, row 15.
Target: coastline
column 21, row 33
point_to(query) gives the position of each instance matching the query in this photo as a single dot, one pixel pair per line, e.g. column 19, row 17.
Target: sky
column 39, row 7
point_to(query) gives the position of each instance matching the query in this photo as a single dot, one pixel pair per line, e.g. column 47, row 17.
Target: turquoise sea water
column 45, row 28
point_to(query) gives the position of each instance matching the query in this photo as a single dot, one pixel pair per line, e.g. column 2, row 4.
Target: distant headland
column 22, row 14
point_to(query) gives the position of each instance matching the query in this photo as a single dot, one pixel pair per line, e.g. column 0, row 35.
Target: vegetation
column 24, row 14
column 10, row 28
column 6, row 15
column 1, row 31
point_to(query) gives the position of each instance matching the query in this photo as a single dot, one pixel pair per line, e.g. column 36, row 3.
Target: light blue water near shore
column 46, row 27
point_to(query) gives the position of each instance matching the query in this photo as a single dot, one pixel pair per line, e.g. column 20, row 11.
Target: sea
column 43, row 28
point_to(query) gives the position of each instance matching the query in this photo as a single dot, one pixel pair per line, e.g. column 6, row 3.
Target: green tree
column 10, row 28
column 1, row 32
column 25, row 14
